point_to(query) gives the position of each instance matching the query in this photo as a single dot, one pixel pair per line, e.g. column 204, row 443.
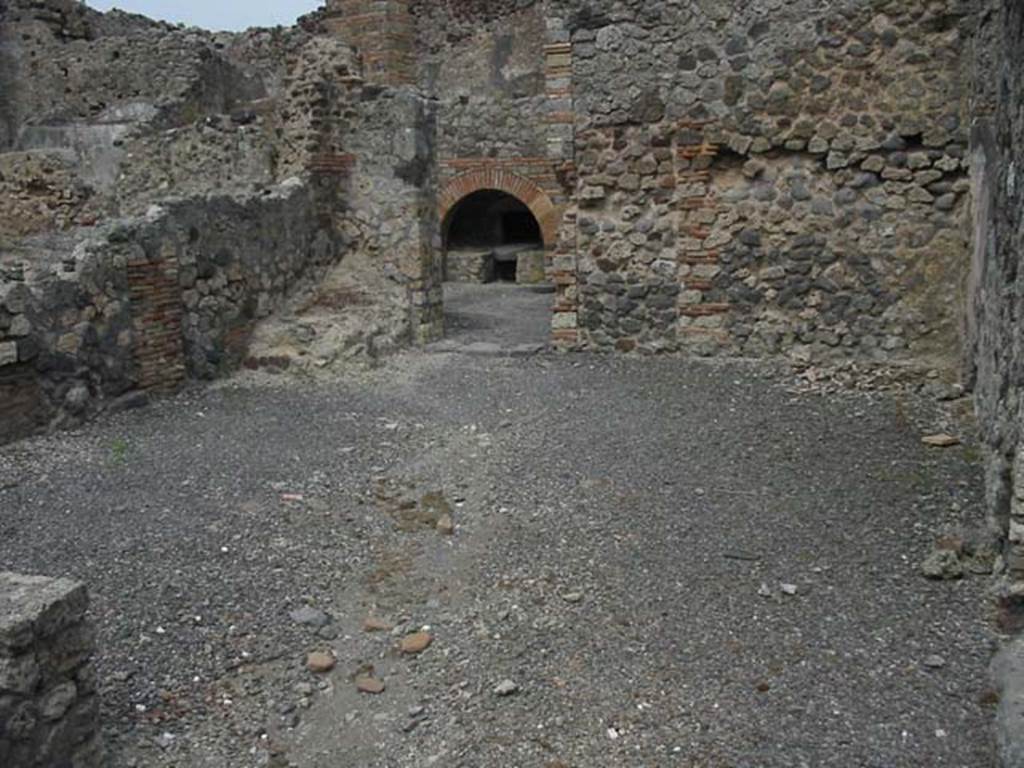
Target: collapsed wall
column 997, row 279
column 163, row 190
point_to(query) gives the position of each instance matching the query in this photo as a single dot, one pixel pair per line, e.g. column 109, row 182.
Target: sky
column 215, row 14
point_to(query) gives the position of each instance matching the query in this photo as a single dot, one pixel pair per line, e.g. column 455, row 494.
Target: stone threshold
column 486, row 349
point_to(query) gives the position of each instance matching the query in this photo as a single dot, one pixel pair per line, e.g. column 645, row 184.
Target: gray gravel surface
column 497, row 313
column 624, row 530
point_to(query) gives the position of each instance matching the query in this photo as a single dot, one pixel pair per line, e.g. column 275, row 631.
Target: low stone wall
column 139, row 304
column 469, row 266
column 49, row 709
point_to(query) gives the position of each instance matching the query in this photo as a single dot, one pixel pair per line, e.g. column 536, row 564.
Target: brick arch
column 519, row 187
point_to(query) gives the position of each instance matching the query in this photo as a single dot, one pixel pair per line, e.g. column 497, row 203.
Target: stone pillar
column 49, row 710
column 382, row 31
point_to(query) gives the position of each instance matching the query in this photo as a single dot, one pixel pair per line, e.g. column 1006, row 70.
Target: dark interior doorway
column 496, row 222
column 491, row 218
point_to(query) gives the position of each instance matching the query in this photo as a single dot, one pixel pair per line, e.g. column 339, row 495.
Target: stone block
column 56, row 702
column 530, row 268
column 564, row 320
column 8, row 353
column 46, row 717
column 469, row 266
column 33, row 607
column 19, row 674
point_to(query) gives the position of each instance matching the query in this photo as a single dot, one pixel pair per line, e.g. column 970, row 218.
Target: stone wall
column 795, row 182
column 41, row 191
column 131, row 267
column 997, row 281
column 83, row 64
column 139, row 304
column 49, row 710
column 487, row 72
column 132, row 111
column 389, row 206
column 739, row 178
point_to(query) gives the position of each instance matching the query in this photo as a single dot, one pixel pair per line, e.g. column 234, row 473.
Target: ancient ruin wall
column 488, row 76
column 142, row 303
column 997, row 283
column 49, row 709
column 389, row 203
column 108, row 113
column 794, row 182
column 267, row 161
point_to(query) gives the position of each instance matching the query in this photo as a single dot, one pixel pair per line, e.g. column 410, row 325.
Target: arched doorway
column 498, row 233
column 489, row 236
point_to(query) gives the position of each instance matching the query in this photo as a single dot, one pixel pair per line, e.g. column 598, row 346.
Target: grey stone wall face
column 140, row 243
column 836, row 188
column 69, row 314
column 102, row 115
column 485, row 66
column 997, row 282
column 390, row 203
column 49, row 710
column 837, row 198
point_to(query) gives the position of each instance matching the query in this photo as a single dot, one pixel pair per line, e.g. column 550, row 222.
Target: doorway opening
column 490, row 236
column 495, row 272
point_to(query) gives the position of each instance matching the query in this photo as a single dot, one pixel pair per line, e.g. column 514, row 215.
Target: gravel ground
column 660, row 562
column 499, row 313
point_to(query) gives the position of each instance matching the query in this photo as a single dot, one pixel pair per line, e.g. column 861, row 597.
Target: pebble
column 373, row 624
column 416, row 643
column 369, row 684
column 940, row 441
column 935, row 662
column 506, row 688
column 446, row 526
column 573, row 597
column 164, row 740
column 942, row 564
column 310, row 617
column 321, row 662
column 788, row 589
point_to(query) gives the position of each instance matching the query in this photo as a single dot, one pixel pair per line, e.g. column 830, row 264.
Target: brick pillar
column 157, row 314
column 701, row 319
column 561, row 141
column 382, row 32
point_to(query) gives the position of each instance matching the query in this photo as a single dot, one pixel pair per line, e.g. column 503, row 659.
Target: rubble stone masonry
column 49, row 710
column 996, row 299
